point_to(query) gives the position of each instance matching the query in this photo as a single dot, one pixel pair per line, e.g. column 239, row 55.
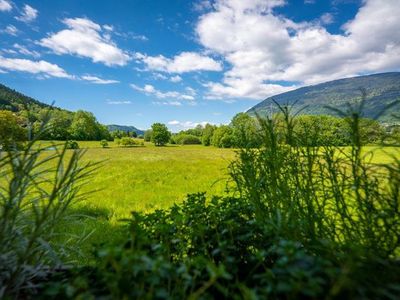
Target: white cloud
column 187, row 124
column 264, row 49
column 28, row 14
column 25, row 51
column 118, row 102
column 97, row 80
column 86, row 39
column 176, row 78
column 202, row 5
column 11, row 30
column 327, row 18
column 5, row 5
column 41, row 67
column 184, row 62
column 168, row 103
column 108, row 27
column 149, row 90
column 174, row 122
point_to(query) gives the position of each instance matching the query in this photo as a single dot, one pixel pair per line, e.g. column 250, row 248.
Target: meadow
column 148, row 178
column 142, row 179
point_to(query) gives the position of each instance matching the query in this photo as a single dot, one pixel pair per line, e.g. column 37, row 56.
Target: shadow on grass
column 87, row 228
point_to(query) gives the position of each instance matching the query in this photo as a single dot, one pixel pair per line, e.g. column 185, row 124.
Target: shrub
column 72, row 144
column 128, row 142
column 104, row 143
column 186, row 139
column 216, row 250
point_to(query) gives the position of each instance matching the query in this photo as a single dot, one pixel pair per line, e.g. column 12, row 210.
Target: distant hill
column 15, row 101
column 18, row 102
column 114, row 127
column 382, row 90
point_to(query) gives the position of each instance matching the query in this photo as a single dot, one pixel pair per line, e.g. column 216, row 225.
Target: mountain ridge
column 125, row 128
column 12, row 100
column 381, row 89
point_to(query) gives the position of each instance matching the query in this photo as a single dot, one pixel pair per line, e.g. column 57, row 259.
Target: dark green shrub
column 104, row 143
column 72, row 144
column 186, row 139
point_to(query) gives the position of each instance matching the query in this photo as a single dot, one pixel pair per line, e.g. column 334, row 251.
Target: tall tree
column 11, row 131
column 160, row 134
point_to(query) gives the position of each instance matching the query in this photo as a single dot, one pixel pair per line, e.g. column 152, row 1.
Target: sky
column 183, row 62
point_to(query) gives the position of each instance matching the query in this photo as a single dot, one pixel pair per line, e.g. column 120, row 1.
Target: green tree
column 208, row 132
column 147, row 135
column 85, row 127
column 10, row 130
column 244, row 131
column 160, row 135
column 222, row 137
column 58, row 126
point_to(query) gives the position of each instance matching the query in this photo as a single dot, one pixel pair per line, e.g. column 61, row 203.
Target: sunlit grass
column 148, row 178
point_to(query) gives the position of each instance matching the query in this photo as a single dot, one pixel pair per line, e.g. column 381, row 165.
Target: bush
column 217, row 250
column 104, row 143
column 72, row 144
column 128, row 142
column 186, row 139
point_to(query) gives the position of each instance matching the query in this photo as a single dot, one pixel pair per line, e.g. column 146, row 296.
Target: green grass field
column 149, row 178
column 143, row 179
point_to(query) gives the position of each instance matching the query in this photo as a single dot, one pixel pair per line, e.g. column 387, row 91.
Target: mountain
column 114, row 127
column 15, row 101
column 382, row 90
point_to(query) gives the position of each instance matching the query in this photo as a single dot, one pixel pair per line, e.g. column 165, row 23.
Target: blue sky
column 188, row 62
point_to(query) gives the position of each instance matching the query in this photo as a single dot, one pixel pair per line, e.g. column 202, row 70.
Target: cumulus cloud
column 28, row 14
column 40, row 67
column 11, row 30
column 87, row 39
column 184, row 62
column 5, row 5
column 150, row 90
column 269, row 53
column 97, row 80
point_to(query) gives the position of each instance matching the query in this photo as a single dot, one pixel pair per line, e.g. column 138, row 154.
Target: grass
column 149, row 178
column 143, row 179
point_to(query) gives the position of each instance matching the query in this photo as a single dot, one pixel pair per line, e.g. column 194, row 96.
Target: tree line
column 243, row 130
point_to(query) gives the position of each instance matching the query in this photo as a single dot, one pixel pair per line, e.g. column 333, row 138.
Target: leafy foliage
column 11, row 131
column 186, row 139
column 160, row 134
column 36, row 190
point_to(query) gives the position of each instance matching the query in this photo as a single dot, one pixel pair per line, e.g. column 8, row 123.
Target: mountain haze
column 124, row 128
column 382, row 90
